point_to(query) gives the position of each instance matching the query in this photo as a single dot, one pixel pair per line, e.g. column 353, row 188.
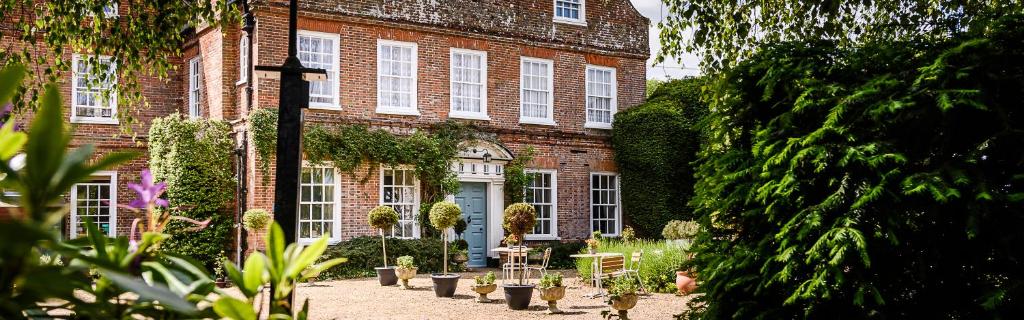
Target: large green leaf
column 161, row 295
column 234, row 309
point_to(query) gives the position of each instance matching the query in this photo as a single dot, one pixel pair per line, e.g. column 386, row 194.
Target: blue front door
column 473, row 201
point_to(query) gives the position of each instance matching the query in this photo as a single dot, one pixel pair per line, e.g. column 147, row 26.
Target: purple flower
column 149, row 193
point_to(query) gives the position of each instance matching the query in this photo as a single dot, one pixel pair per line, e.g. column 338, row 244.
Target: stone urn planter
column 685, row 283
column 623, row 303
column 483, row 290
column 405, row 274
column 445, row 284
column 552, row 295
column 386, row 276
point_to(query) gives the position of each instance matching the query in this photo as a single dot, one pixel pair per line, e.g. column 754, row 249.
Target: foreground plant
column 283, row 268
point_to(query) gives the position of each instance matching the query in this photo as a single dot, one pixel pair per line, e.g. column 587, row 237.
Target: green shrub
column 560, row 253
column 628, row 234
column 363, row 255
column 876, row 182
column 661, row 260
column 655, row 146
column 192, row 155
column 486, row 279
column 679, row 230
column 256, row 220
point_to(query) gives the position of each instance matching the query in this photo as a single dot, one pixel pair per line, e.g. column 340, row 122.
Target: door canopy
column 485, row 151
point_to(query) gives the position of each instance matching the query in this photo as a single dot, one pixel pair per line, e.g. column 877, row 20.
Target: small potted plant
column 622, row 295
column 384, row 217
column 484, row 285
column 255, row 222
column 406, row 270
column 519, row 219
column 682, row 233
column 444, row 215
column 551, row 290
column 218, row 271
column 592, row 245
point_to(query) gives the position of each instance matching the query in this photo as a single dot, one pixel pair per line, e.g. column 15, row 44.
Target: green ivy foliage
column 516, row 178
column 881, row 182
column 655, row 146
column 263, row 127
column 191, row 156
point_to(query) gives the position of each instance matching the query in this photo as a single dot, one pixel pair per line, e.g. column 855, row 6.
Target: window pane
column 317, row 203
column 399, row 191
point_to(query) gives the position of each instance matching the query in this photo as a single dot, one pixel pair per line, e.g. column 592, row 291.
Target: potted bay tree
column 444, row 215
column 519, row 219
column 381, row 218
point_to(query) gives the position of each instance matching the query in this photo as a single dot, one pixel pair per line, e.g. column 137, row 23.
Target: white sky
column 654, row 9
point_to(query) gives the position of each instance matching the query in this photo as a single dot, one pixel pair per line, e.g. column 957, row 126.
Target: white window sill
column 241, row 82
column 111, row 121
column 571, row 21
column 469, row 116
column 598, row 125
column 541, row 238
column 542, row 122
column 325, row 107
column 398, row 111
column 330, row 242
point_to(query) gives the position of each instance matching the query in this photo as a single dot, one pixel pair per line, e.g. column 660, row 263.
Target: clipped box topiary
column 518, row 220
column 384, row 217
column 444, row 215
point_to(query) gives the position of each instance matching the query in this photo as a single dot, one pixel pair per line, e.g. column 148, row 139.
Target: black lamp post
column 294, row 97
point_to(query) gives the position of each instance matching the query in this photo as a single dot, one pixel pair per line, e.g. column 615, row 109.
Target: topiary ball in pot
column 444, row 215
column 255, row 222
column 519, row 219
column 381, row 218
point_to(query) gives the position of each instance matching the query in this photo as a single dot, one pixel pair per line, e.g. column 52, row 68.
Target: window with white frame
column 570, row 10
column 93, row 97
column 536, row 99
column 243, row 59
column 95, row 200
column 604, row 203
column 542, row 193
column 319, row 207
column 195, row 80
column 396, row 77
column 320, row 51
column 601, row 97
column 399, row 189
column 468, row 84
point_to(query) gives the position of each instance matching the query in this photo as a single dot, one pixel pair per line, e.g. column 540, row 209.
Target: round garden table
column 595, row 267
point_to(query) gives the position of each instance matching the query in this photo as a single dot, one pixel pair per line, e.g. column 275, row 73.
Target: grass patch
column 657, row 270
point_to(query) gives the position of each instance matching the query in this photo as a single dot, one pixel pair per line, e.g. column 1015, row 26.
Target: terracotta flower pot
column 483, row 290
column 552, row 295
column 404, row 275
column 685, row 283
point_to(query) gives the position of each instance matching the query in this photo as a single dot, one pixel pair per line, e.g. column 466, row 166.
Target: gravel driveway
column 366, row 299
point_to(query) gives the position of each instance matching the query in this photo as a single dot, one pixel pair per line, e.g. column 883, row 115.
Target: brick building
column 543, row 73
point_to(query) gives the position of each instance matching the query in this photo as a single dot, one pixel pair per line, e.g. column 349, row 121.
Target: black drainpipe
column 242, row 152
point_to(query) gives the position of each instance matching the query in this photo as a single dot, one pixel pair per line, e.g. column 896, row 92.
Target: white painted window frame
column 618, row 201
column 334, row 74
column 243, row 58
column 195, row 87
column 416, row 201
column 482, row 115
column 413, row 109
column 550, row 119
column 614, row 97
column 336, row 210
column 111, row 100
column 554, row 205
column 112, row 180
column 582, row 21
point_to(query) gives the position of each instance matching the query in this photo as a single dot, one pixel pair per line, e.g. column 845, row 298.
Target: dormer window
column 570, row 11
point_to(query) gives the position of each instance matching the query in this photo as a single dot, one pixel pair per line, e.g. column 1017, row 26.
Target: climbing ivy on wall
column 516, row 178
column 263, row 127
column 191, row 156
column 655, row 145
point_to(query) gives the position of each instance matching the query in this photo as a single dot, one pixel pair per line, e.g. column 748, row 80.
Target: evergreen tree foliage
column 880, row 182
column 655, row 144
column 194, row 157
